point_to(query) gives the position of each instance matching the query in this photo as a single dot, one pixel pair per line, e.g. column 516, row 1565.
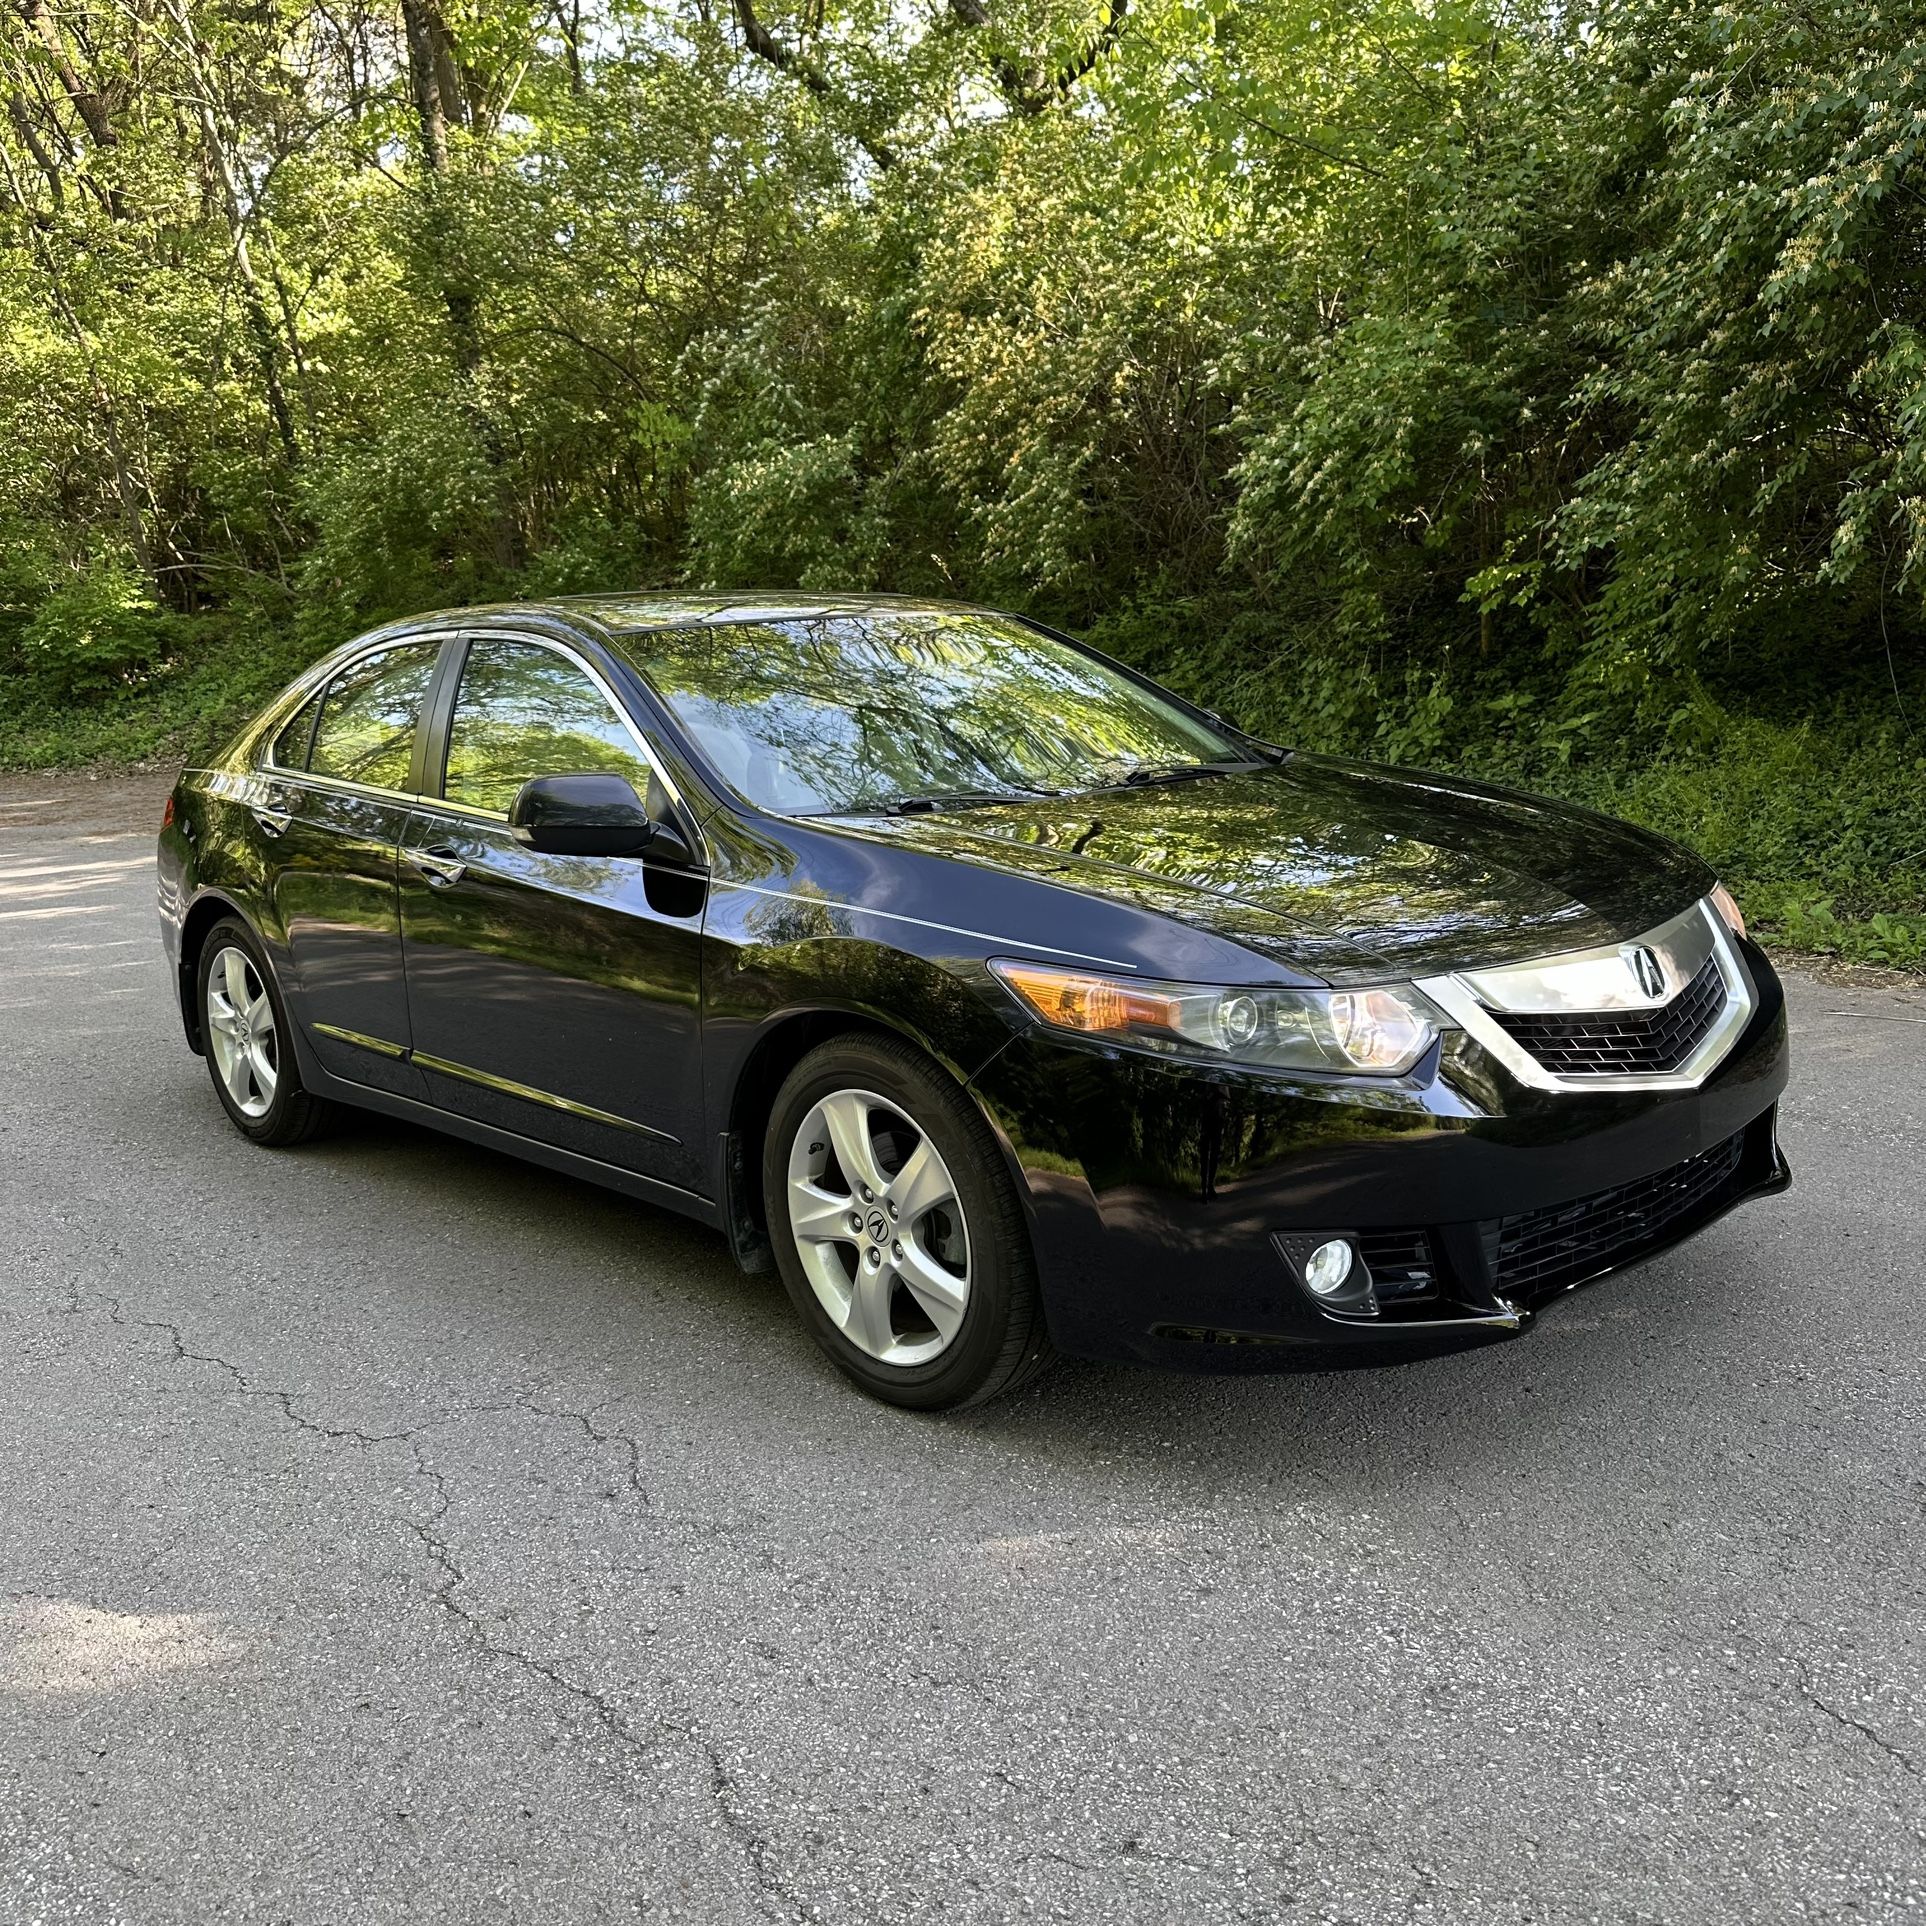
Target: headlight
column 1728, row 909
column 1373, row 1032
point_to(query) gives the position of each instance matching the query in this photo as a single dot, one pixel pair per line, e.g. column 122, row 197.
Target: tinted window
column 367, row 731
column 525, row 711
column 853, row 712
column 291, row 745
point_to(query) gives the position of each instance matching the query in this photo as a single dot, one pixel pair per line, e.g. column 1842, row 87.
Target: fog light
column 1327, row 1267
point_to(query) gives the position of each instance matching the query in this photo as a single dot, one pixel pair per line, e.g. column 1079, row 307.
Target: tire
column 934, row 1305
column 252, row 1065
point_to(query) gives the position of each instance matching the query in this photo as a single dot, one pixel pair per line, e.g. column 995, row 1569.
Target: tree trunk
column 87, row 102
column 433, row 79
column 260, row 324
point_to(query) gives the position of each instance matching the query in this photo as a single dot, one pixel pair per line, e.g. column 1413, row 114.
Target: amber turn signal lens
column 1728, row 910
column 1092, row 1004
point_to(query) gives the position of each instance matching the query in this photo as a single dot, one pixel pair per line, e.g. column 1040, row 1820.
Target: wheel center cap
column 877, row 1226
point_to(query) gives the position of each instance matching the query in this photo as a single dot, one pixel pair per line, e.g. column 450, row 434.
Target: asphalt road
column 390, row 1532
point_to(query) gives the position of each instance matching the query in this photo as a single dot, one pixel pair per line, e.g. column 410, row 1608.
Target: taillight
column 167, row 814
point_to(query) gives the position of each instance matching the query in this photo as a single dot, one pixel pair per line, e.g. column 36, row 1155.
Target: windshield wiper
column 915, row 806
column 954, row 799
column 1149, row 772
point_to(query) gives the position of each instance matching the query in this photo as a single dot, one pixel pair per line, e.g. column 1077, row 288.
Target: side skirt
column 649, row 1190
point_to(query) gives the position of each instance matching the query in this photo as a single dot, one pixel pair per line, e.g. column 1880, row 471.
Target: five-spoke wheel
column 240, row 1031
column 878, row 1227
column 897, row 1227
column 244, row 1031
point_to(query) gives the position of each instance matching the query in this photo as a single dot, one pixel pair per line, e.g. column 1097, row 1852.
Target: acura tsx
column 1004, row 1002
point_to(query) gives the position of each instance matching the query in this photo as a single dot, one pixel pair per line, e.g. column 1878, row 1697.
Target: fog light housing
column 1328, row 1267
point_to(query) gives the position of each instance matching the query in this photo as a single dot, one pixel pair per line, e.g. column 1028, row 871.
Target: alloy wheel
column 879, row 1227
column 241, row 1032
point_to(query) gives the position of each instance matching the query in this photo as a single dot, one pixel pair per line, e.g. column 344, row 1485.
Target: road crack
column 1803, row 1681
column 284, row 1400
column 727, row 1795
column 613, row 1437
column 453, row 1577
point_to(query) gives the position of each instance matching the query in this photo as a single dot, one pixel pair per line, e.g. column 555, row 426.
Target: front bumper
column 1164, row 1198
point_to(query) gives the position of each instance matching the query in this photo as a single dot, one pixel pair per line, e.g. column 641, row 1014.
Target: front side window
column 367, row 729
column 837, row 713
column 522, row 711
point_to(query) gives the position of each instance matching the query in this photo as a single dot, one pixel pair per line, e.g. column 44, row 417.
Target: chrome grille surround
column 1600, row 982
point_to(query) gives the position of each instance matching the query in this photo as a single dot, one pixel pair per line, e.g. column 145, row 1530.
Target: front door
column 554, row 996
column 341, row 796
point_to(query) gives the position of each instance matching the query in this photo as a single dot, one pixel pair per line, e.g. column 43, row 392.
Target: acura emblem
column 1647, row 971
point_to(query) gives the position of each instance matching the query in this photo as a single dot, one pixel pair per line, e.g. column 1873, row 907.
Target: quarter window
column 522, row 711
column 367, row 728
column 291, row 745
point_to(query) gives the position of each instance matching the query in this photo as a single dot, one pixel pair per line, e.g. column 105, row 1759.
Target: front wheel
column 244, row 1029
column 897, row 1229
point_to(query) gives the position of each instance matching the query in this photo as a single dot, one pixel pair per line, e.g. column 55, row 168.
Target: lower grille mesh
column 1400, row 1263
column 1542, row 1249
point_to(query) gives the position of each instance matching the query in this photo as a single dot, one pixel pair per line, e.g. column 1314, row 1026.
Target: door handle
column 270, row 813
column 442, row 867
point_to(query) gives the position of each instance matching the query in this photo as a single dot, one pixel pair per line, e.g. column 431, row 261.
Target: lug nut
column 855, row 1220
column 891, row 1207
column 896, row 1251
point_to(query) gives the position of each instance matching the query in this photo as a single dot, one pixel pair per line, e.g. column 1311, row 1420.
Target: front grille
column 1400, row 1263
column 1623, row 1043
column 1540, row 1250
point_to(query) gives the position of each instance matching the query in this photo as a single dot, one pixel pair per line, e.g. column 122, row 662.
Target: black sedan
column 1003, row 1001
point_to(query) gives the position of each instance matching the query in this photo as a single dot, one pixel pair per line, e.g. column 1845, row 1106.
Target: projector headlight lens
column 1376, row 1032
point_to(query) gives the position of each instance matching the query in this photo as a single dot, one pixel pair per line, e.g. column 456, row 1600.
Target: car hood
column 1348, row 870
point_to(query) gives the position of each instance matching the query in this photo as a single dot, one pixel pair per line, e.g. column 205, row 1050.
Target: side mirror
column 591, row 816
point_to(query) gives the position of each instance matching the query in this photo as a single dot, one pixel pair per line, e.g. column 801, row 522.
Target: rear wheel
column 244, row 1029
column 897, row 1229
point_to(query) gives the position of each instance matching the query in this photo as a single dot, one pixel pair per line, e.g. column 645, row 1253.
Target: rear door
column 339, row 785
column 554, row 996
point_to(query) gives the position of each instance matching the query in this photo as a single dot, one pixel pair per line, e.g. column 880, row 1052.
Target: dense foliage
column 1538, row 392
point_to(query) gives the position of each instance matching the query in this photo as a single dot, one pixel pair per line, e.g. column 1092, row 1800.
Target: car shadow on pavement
column 1618, row 1367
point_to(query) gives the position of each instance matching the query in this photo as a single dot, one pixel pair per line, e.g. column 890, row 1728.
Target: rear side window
column 291, row 745
column 524, row 711
column 367, row 729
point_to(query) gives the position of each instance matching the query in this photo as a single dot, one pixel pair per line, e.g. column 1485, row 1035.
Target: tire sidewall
column 231, row 933
column 941, row 1112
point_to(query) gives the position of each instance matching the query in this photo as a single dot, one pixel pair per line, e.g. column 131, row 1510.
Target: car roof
column 644, row 609
column 631, row 611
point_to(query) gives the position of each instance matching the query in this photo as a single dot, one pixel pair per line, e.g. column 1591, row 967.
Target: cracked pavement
column 393, row 1532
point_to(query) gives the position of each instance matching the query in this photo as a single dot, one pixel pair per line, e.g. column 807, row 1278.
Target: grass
column 1821, row 835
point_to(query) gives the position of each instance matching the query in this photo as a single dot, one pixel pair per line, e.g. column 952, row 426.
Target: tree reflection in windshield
column 842, row 713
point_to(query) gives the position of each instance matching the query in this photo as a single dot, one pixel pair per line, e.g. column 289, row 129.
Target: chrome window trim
column 338, row 785
column 1547, row 985
column 317, row 682
column 463, row 812
column 616, row 705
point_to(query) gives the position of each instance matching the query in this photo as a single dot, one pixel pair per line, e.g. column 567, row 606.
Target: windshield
column 851, row 714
